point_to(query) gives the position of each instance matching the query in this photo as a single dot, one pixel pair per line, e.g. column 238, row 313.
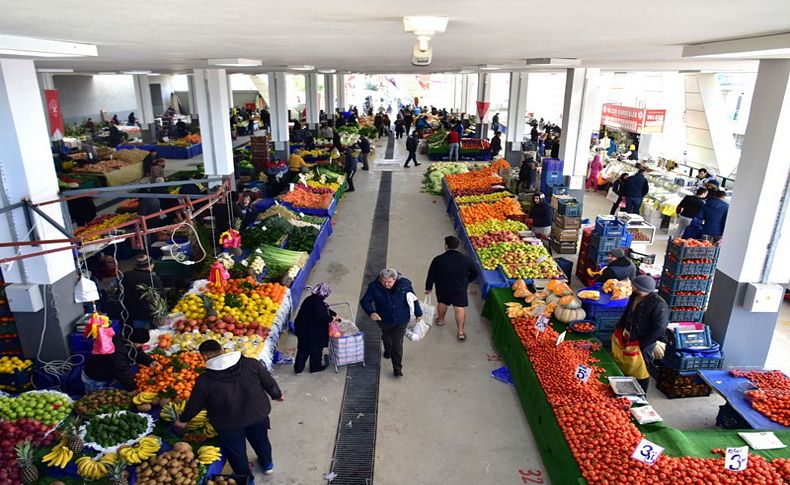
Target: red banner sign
column 635, row 120
column 482, row 109
column 55, row 116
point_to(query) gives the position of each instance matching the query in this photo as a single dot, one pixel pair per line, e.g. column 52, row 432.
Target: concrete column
column 341, row 92
column 211, row 94
column 27, row 173
column 329, row 95
column 464, row 105
column 230, row 93
column 311, row 99
column 279, row 113
column 191, row 103
column 483, row 94
column 145, row 107
column 516, row 111
column 46, row 80
column 580, row 117
column 756, row 242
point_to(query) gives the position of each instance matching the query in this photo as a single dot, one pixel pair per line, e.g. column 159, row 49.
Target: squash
column 570, row 301
column 562, row 289
column 552, row 298
column 520, row 290
column 567, row 315
column 551, row 284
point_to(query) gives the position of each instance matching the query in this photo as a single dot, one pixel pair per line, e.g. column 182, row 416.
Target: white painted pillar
column 756, row 222
column 211, row 94
column 329, row 95
column 341, row 92
column 191, row 103
column 464, row 105
column 46, row 80
column 516, row 112
column 278, row 107
column 142, row 93
column 311, row 99
column 580, row 118
column 483, row 94
column 231, row 104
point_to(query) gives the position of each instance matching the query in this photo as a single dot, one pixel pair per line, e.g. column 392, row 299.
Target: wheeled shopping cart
column 348, row 349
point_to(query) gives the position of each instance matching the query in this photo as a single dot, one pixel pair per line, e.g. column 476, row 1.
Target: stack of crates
column 566, row 225
column 690, row 349
column 551, row 179
column 676, row 384
column 9, row 340
column 605, row 317
column 260, row 149
column 609, row 233
column 687, row 279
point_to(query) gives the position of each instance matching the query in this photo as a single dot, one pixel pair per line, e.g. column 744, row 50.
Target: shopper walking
column 411, row 147
column 312, row 329
column 617, row 188
column 364, row 148
column 386, row 303
column 399, row 127
column 526, row 174
column 351, row 167
column 454, row 139
column 534, row 135
column 495, row 122
column 595, row 169
column 541, row 215
column 138, row 306
column 641, row 326
column 619, row 267
column 378, row 123
column 235, row 392
column 408, row 119
column 496, row 144
column 689, row 208
column 452, row 272
column 387, row 124
column 714, row 216
column 635, row 188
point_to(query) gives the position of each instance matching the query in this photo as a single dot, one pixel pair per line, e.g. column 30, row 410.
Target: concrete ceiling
column 356, row 36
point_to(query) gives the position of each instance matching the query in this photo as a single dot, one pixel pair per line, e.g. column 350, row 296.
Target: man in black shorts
column 452, row 272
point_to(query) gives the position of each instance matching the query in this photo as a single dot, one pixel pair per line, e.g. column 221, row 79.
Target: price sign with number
column 542, row 323
column 736, row 459
column 583, row 373
column 647, row 452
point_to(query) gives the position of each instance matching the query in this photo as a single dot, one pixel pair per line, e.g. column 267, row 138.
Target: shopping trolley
column 348, row 349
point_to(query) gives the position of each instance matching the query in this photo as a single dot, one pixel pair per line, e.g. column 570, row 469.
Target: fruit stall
column 586, row 433
column 471, row 148
column 183, row 148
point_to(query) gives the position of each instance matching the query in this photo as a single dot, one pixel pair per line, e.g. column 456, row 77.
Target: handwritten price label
column 531, row 476
column 561, row 338
column 647, row 452
column 736, row 459
column 583, row 373
column 542, row 323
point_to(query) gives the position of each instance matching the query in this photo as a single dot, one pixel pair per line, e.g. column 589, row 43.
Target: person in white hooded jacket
column 235, row 392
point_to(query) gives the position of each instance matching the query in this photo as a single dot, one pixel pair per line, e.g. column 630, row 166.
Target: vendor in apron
column 642, row 325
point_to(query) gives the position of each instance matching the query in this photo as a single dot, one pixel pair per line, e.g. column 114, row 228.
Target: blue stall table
column 732, row 388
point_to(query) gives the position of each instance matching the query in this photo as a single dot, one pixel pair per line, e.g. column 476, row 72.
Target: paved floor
column 447, row 420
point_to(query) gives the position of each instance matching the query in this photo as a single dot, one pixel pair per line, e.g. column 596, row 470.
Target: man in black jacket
column 364, row 148
column 541, row 215
column 452, row 272
column 104, row 370
column 140, row 308
column 617, row 188
column 688, row 209
column 235, row 392
column 411, row 147
column 619, row 268
column 496, row 144
column 645, row 319
column 351, row 167
column 635, row 188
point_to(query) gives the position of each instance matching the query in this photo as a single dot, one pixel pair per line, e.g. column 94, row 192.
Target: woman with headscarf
column 312, row 329
column 595, row 169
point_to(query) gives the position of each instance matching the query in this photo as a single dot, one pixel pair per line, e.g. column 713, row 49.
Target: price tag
column 264, row 228
column 561, row 338
column 647, row 452
column 542, row 323
column 276, row 202
column 259, row 251
column 290, row 187
column 301, row 214
column 244, row 262
column 583, row 373
column 736, row 459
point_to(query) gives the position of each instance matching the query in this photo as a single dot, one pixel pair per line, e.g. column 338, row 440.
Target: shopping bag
column 103, row 344
column 627, row 355
column 611, row 196
column 418, row 331
column 428, row 310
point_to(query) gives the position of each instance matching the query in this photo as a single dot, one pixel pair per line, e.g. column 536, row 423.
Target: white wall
column 84, row 96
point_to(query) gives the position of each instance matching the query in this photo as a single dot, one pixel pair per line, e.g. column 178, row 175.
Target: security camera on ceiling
column 420, row 57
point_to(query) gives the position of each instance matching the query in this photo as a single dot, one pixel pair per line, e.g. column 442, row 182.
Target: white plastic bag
column 428, row 309
column 418, row 331
column 611, row 196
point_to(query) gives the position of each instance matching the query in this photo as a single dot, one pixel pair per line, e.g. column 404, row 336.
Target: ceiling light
column 304, row 67
column 106, row 73
column 425, row 25
column 154, row 73
column 32, row 47
column 235, row 62
column 548, row 61
column 326, row 71
column 136, row 72
column 53, row 70
column 749, row 48
column 489, row 67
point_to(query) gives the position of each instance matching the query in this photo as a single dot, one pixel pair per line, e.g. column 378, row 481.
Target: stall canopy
column 634, row 120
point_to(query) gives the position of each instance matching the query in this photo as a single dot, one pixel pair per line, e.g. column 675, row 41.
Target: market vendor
column 312, row 329
column 644, row 323
column 706, row 178
column 90, row 125
column 527, row 172
column 109, row 370
column 246, row 210
column 157, row 169
column 296, row 163
column 541, row 215
column 326, row 131
column 619, row 267
column 138, row 306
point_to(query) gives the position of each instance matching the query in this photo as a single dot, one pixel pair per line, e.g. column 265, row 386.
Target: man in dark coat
column 235, row 392
column 312, row 329
column 143, row 274
column 351, row 167
column 496, row 144
column 452, row 272
column 104, row 370
column 617, row 188
column 364, row 148
column 541, row 214
column 411, row 147
column 619, row 268
column 386, row 303
column 689, row 208
column 526, row 174
column 714, row 216
column 635, row 188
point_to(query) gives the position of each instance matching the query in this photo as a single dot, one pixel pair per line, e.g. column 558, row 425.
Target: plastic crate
column 570, row 208
column 18, row 381
column 598, row 312
column 680, row 392
column 563, row 247
column 567, row 222
column 682, row 361
column 10, row 346
column 605, row 244
column 552, row 165
column 608, row 228
column 674, row 283
column 685, row 315
column 605, row 338
column 596, row 257
column 700, row 337
column 684, row 300
column 564, row 235
column 728, row 418
column 678, row 267
column 688, row 252
column 551, row 178
column 606, row 324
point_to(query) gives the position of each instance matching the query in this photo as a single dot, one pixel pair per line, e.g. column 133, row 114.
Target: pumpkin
column 567, row 315
column 551, row 284
column 562, row 289
column 570, row 301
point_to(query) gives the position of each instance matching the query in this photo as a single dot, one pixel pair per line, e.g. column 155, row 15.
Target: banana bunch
column 144, row 398
column 209, row 431
column 199, row 421
column 59, row 456
column 91, row 469
column 148, row 447
column 172, row 410
column 207, row 455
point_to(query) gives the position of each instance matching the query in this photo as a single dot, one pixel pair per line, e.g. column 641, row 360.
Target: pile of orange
column 174, row 377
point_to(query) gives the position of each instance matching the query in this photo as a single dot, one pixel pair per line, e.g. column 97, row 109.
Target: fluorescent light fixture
column 302, row 67
column 235, row 62
column 326, row 71
column 425, row 25
column 32, row 47
column 108, row 73
column 466, row 71
column 154, row 73
column 49, row 70
column 489, row 67
column 768, row 46
column 136, row 72
column 548, row 61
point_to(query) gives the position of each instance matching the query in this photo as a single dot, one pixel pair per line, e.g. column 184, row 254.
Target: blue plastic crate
column 551, row 178
column 695, row 338
column 687, row 252
column 684, row 300
column 605, row 244
column 674, row 283
column 597, row 257
column 679, row 267
column 552, row 165
column 626, row 241
column 569, row 208
column 608, row 228
column 683, row 361
column 685, row 315
column 549, row 190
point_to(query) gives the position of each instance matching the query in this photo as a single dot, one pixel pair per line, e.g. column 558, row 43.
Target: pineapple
column 70, row 430
column 117, row 473
column 208, row 305
column 157, row 304
column 24, row 453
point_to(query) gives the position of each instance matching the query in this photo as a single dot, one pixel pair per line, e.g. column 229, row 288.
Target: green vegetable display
column 303, row 238
column 112, row 429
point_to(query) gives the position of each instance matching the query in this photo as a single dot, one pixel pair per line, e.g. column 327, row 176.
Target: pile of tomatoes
column 598, row 428
column 693, row 243
column 772, row 397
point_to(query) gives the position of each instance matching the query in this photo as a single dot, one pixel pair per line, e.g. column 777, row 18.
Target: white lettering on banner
column 736, row 459
column 647, row 452
column 583, row 373
column 542, row 323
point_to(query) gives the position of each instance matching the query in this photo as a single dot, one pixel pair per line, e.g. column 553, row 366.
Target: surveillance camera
column 420, row 57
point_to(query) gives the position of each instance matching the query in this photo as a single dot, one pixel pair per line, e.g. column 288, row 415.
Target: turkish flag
column 56, row 127
column 482, row 109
